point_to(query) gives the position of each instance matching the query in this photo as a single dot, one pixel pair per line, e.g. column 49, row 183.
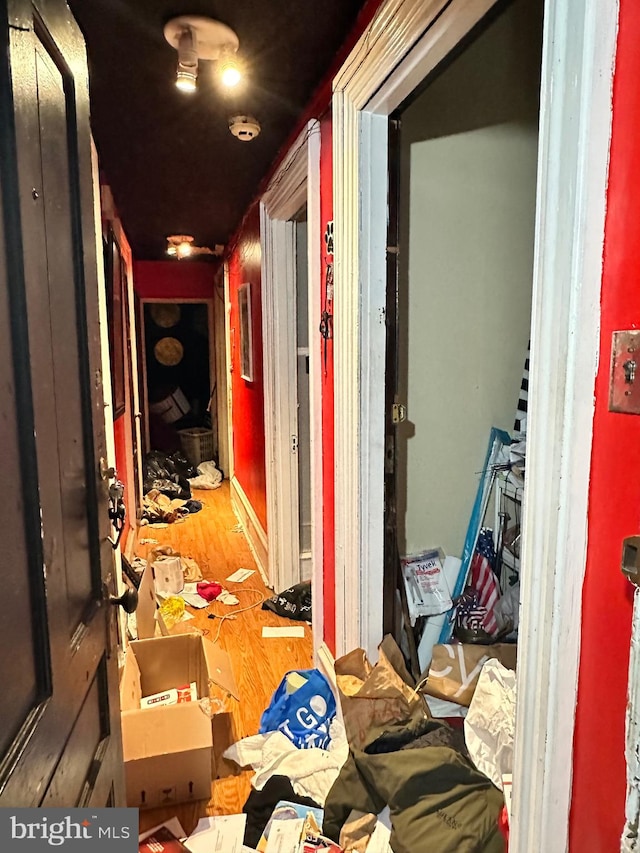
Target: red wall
column 121, row 427
column 326, row 214
column 597, row 814
column 173, row 279
column 248, row 397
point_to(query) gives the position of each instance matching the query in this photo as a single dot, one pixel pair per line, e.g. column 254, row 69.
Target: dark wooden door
column 60, row 741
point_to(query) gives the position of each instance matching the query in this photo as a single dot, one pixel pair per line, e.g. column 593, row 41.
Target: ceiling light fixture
column 195, row 38
column 182, row 246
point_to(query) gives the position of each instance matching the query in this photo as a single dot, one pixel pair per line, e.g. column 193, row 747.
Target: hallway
column 213, row 539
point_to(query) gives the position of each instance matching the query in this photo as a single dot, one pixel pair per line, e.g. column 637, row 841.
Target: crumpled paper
column 489, row 725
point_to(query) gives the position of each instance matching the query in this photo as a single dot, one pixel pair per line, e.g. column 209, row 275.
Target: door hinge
column 398, row 413
column 294, row 443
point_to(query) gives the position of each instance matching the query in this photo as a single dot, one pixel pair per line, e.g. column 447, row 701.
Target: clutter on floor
column 293, row 603
column 207, row 476
column 412, row 753
column 168, row 480
column 385, row 775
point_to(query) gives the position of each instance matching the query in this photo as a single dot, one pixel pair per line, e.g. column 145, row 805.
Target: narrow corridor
column 213, row 538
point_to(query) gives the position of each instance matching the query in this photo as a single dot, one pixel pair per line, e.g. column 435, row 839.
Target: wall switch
column 624, row 386
column 631, row 559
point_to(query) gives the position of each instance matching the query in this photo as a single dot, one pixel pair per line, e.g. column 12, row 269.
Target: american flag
column 483, row 580
column 468, row 613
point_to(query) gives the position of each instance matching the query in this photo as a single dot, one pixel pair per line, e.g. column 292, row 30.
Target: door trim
column 404, row 42
column 296, row 182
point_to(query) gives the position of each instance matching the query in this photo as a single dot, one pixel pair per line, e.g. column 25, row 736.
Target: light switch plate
column 624, row 385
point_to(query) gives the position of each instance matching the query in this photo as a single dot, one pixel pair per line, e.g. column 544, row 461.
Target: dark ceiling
column 169, row 157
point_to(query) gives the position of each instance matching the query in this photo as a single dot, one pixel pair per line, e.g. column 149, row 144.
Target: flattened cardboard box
column 168, row 750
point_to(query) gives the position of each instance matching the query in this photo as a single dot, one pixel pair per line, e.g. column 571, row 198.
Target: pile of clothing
column 388, row 755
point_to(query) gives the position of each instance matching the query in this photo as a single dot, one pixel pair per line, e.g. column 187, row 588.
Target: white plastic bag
column 489, row 725
column 209, row 477
column 427, row 588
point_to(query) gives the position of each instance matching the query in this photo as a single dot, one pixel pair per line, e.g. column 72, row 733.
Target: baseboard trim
column 253, row 529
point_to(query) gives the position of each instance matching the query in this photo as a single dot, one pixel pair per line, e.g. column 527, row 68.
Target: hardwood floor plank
column 211, row 538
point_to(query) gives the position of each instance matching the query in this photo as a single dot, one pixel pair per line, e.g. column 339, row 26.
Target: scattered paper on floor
column 222, row 834
column 284, row 835
column 293, row 631
column 241, row 575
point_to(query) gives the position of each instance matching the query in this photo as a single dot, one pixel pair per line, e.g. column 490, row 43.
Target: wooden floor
column 212, row 538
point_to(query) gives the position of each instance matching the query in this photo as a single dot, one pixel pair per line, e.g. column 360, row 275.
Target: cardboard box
column 168, row 750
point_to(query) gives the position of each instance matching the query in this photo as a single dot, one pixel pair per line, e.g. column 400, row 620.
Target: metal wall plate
column 624, row 384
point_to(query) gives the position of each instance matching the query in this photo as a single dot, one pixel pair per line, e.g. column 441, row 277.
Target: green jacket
column 439, row 802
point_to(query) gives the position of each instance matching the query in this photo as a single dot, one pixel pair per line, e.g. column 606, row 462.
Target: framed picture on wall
column 246, row 342
column 115, row 277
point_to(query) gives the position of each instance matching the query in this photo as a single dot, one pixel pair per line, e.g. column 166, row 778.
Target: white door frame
column 296, row 182
column 404, row 42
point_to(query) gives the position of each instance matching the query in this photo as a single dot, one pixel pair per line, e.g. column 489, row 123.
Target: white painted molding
column 280, row 396
column 575, row 125
column 390, row 52
column 297, row 182
column 105, row 358
column 393, row 55
column 253, row 529
column 629, row 840
column 314, row 238
column 222, row 391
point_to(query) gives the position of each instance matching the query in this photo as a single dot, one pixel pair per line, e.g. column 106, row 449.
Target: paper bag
column 454, row 669
column 373, row 695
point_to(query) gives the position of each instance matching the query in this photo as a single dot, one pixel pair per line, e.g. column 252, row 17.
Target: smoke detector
column 244, row 128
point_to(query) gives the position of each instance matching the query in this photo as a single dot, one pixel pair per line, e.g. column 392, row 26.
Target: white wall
column 467, row 216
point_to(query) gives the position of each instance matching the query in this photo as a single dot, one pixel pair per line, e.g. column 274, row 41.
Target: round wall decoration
column 165, row 314
column 168, row 351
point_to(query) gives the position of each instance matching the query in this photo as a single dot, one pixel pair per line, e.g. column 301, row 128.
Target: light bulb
column 187, row 72
column 171, row 250
column 186, row 81
column 230, row 76
column 229, row 70
column 184, row 250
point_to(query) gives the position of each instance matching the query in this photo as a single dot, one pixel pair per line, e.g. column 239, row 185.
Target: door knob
column 128, row 600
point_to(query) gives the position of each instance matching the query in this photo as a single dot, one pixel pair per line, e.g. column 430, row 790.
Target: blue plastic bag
column 305, row 715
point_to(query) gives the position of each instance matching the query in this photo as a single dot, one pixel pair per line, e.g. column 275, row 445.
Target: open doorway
column 411, row 40
column 179, row 378
column 467, row 206
column 303, row 395
column 290, row 234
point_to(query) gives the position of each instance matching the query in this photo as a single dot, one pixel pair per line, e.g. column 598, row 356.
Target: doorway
column 303, row 399
column 467, row 204
column 410, row 39
column 290, row 235
column 179, row 376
